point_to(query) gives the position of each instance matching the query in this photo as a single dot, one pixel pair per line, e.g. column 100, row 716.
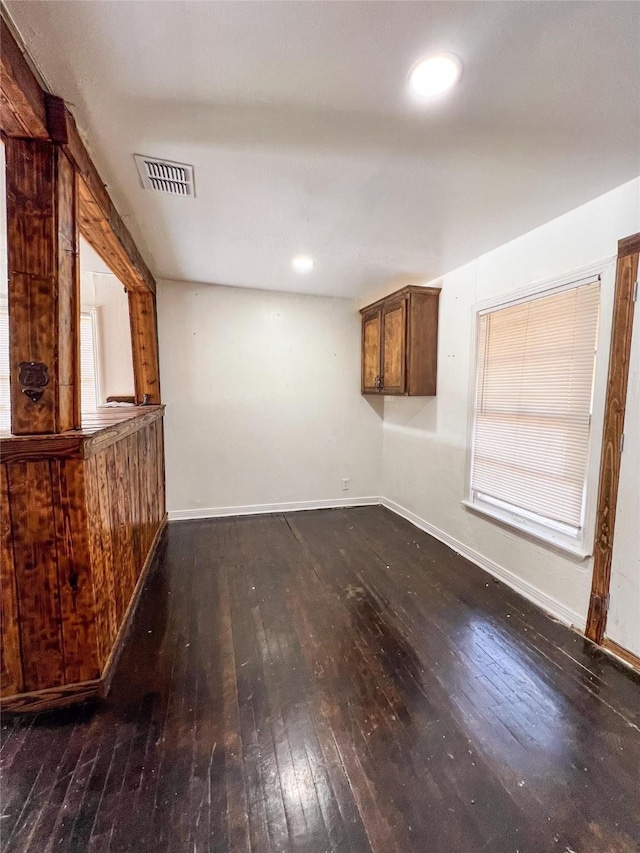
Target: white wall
column 263, row 399
column 425, row 440
column 115, row 361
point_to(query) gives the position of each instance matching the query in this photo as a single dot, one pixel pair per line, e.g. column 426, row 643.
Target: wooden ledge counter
column 80, row 516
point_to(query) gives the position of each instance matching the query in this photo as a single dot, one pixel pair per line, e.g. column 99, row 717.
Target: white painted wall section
column 425, row 440
column 263, row 401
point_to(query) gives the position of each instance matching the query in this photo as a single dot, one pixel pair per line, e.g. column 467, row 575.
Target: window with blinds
column 88, row 368
column 533, row 402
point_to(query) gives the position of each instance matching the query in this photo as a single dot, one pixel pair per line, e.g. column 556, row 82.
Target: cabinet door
column 371, row 353
column 394, row 332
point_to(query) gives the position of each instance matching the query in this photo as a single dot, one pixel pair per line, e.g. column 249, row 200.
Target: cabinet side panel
column 423, row 344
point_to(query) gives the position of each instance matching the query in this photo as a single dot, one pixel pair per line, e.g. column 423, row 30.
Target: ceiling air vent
column 163, row 176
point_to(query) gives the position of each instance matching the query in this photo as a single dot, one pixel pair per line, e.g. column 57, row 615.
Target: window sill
column 577, row 551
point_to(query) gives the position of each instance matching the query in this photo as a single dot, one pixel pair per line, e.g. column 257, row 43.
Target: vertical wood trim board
column 615, row 405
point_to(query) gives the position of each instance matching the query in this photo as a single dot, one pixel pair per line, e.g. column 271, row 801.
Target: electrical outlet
column 345, row 484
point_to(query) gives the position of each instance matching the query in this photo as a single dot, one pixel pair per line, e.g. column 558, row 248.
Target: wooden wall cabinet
column 400, row 343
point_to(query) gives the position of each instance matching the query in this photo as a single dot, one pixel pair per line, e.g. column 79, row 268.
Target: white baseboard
column 550, row 605
column 261, row 509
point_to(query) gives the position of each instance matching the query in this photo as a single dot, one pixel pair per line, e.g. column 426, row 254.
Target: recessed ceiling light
column 302, row 263
column 435, row 75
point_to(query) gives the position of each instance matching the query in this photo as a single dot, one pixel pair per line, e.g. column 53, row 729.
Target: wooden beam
column 144, row 346
column 44, row 354
column 28, row 112
column 112, row 241
column 22, row 103
column 615, row 405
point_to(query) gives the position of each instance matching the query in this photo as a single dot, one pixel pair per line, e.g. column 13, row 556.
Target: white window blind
column 534, row 386
column 88, row 369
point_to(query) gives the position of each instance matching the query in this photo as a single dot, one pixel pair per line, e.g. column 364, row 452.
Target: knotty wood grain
column 74, row 572
column 43, row 284
column 36, row 573
column 102, row 227
column 333, row 680
column 615, row 405
column 22, row 105
column 144, row 346
column 76, row 535
column 11, row 661
column 67, row 318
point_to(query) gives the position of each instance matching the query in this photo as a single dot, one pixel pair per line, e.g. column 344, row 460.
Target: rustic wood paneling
column 22, row 105
column 74, row 572
column 11, row 663
column 67, row 325
column 144, row 346
column 103, row 228
column 77, row 533
column 615, row 406
column 36, row 571
column 28, row 112
column 43, row 285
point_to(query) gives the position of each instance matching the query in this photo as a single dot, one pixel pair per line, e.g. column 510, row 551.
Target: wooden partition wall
column 81, row 500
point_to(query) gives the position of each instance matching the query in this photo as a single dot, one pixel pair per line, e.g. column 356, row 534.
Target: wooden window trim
column 615, row 406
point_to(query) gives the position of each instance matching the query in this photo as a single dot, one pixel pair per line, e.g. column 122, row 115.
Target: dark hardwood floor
column 333, row 681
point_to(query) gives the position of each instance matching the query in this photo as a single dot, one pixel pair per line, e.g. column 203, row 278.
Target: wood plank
column 100, row 548
column 28, row 112
column 629, row 245
column 51, row 697
column 144, row 347
column 103, row 228
column 36, row 561
column 68, row 303
column 621, row 652
column 137, row 420
column 334, row 680
column 119, row 568
column 394, row 351
column 615, row 405
column 22, row 106
column 43, row 287
column 371, row 349
column 422, row 344
column 74, row 572
column 11, row 662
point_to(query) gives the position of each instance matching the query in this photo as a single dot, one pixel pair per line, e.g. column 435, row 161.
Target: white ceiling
column 304, row 139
